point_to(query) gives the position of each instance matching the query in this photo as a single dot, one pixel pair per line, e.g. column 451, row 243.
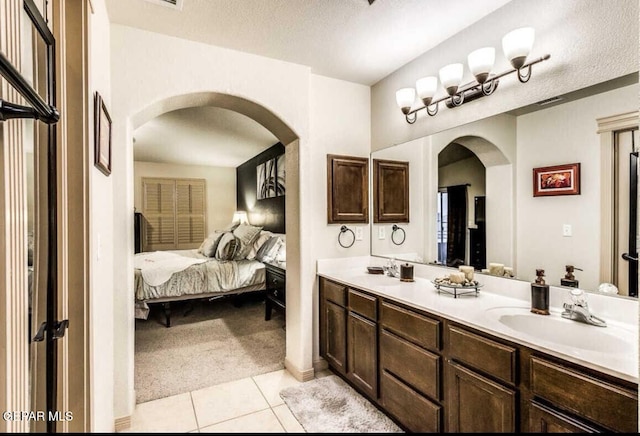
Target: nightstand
column 276, row 288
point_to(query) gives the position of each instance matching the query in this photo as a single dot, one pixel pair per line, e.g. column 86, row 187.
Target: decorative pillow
column 210, row 245
column 259, row 242
column 246, row 234
column 281, row 255
column 228, row 246
column 269, row 249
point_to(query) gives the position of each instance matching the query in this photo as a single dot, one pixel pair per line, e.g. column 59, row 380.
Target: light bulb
column 450, row 77
column 427, row 87
column 517, row 45
column 405, row 98
column 481, row 62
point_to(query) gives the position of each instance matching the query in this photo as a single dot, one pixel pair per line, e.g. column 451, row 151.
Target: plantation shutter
column 190, row 213
column 174, row 210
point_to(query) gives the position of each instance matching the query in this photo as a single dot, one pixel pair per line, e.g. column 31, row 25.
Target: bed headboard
column 268, row 212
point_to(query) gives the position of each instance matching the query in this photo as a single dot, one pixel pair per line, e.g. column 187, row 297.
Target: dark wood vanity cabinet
column 333, row 325
column 362, row 342
column 410, row 368
column 431, row 374
column 579, row 398
column 481, row 390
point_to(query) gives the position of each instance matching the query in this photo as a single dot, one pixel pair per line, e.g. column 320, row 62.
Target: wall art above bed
column 270, row 178
column 263, row 200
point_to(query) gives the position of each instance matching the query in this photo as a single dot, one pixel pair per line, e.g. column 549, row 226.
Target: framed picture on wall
column 102, row 128
column 270, row 178
column 556, row 180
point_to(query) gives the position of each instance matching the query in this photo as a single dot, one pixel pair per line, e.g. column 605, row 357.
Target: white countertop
column 471, row 310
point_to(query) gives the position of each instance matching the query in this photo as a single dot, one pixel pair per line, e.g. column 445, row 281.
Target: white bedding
column 207, row 276
column 158, row 266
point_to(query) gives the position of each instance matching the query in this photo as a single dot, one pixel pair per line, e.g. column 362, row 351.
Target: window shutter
column 174, row 210
column 190, row 213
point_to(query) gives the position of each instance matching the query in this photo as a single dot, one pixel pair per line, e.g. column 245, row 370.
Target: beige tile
column 288, row 421
column 226, row 401
column 273, row 382
column 264, row 421
column 171, row 414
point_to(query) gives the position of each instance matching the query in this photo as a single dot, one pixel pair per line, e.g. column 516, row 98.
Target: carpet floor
column 215, row 343
column 329, row 405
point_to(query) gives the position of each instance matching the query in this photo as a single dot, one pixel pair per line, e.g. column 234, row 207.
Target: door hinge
column 57, row 332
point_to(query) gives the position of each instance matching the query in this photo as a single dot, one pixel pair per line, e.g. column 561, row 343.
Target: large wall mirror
column 472, row 196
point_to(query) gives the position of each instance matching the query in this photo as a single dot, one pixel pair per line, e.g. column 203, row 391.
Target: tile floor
column 249, row 405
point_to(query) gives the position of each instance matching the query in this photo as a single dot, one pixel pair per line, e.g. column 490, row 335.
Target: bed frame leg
column 167, row 313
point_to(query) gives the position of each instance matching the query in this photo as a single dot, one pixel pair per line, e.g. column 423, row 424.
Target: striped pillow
column 228, row 246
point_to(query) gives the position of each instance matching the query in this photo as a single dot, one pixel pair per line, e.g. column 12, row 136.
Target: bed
column 214, row 270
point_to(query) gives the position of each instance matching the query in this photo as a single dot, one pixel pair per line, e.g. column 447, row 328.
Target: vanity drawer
column 416, row 413
column 334, row 292
column 609, row 405
column 413, row 365
column 410, row 325
column 484, row 354
column 362, row 304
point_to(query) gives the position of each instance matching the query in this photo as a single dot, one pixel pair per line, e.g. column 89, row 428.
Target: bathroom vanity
column 476, row 363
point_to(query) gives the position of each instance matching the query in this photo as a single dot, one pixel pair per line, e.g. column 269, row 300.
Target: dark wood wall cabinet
column 347, row 189
column 431, row 374
column 390, row 191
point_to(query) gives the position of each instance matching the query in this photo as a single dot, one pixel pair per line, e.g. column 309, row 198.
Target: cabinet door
column 335, row 345
column 347, row 189
column 477, row 404
column 391, row 191
column 363, row 354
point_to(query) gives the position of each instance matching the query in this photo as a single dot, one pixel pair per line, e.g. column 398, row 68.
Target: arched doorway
column 488, row 166
column 290, row 140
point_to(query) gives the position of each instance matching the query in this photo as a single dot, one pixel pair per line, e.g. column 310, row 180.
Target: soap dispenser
column 569, row 279
column 540, row 294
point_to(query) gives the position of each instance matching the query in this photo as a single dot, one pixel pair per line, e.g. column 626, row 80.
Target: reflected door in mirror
column 390, row 191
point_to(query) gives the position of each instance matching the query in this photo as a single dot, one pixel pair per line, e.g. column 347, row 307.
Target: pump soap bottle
column 569, row 279
column 540, row 294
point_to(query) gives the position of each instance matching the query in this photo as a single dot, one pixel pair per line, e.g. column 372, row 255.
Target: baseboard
column 320, row 365
column 123, row 423
column 298, row 374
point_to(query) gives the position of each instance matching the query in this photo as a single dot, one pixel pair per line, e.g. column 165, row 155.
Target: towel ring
column 343, row 230
column 393, row 232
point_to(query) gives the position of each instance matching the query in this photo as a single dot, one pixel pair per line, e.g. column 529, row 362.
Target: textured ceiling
column 344, row 39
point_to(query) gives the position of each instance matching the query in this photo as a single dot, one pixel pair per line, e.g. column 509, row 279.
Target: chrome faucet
column 578, row 310
column 392, row 268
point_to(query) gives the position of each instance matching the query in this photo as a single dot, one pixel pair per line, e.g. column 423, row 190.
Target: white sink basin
column 553, row 328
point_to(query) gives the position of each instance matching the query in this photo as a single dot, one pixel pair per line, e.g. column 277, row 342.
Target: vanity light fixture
column 516, row 45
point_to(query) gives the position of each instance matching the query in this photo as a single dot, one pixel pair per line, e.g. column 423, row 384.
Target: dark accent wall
column 268, row 212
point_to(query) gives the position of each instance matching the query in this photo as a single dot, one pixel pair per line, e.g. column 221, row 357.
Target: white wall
column 339, row 121
column 327, row 116
column 220, row 187
column 590, row 41
column 101, row 243
column 560, row 135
